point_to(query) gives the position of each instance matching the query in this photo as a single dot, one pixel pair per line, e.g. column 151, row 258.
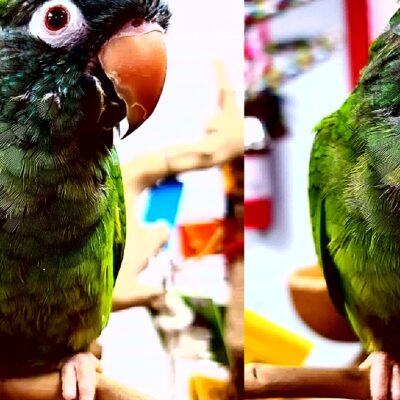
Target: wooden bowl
column 312, row 303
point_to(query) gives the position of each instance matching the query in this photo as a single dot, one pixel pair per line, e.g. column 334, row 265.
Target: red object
column 258, row 214
column 358, row 36
column 213, row 237
column 234, row 250
column 258, row 198
column 200, row 239
column 233, row 240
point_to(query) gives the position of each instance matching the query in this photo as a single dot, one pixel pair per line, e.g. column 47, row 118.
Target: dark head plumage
column 54, row 89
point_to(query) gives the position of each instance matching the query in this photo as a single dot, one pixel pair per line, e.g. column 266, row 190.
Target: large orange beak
column 135, row 60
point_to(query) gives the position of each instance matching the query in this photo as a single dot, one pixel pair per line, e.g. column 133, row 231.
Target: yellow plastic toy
column 205, row 388
column 266, row 342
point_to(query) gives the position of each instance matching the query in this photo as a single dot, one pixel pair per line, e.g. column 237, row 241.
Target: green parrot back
column 354, row 193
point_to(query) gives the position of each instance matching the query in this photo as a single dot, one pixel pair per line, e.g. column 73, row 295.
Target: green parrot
column 70, row 71
column 354, row 196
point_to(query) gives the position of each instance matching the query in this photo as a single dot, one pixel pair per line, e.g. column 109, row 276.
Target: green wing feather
column 318, row 213
column 120, row 216
column 354, row 233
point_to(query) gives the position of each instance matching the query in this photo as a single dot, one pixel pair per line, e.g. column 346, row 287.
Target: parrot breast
column 56, row 260
column 62, row 214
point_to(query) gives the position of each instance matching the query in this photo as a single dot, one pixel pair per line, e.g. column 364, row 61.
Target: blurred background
column 158, row 348
column 302, row 60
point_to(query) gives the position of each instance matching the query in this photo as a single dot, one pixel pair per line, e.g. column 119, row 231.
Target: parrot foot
column 78, row 377
column 384, row 376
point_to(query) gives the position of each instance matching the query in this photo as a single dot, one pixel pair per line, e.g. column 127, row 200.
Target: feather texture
column 62, row 212
column 354, row 192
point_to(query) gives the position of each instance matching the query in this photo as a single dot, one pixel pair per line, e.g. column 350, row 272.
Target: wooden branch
column 267, row 381
column 142, row 243
column 234, row 329
column 211, row 150
column 139, row 296
column 48, row 387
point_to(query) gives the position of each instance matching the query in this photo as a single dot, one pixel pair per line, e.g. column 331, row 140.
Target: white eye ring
column 65, row 36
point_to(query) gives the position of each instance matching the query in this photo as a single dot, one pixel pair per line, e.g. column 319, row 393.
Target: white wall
column 380, row 13
column 200, row 32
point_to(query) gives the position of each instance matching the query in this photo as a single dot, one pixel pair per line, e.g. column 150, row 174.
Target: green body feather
column 62, row 214
column 354, row 191
column 57, row 277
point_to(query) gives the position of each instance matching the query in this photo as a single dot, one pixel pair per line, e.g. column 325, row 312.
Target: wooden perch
column 268, row 381
column 140, row 296
column 234, row 329
column 48, row 387
column 213, row 149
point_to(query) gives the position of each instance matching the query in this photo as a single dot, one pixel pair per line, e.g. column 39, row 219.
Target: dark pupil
column 56, row 18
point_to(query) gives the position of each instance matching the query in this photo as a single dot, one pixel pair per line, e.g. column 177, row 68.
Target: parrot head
column 78, row 67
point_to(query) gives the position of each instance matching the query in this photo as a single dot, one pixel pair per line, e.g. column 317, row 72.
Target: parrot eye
column 59, row 23
column 56, row 18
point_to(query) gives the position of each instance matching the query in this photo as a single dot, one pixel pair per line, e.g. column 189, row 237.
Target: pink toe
column 380, row 375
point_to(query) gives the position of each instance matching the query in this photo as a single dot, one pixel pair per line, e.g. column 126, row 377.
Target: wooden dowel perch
column 264, row 381
column 48, row 387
